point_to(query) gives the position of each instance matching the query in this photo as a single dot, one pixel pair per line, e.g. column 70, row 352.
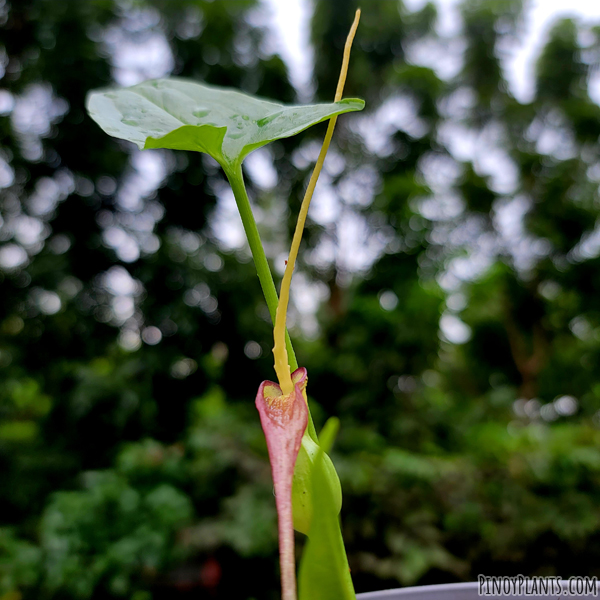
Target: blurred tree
column 445, row 306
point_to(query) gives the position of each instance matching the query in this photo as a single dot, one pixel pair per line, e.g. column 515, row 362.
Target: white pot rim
column 452, row 591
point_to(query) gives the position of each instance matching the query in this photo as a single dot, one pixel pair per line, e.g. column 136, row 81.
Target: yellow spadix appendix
column 283, row 407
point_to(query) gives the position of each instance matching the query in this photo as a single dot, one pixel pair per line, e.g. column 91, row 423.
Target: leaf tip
column 352, row 103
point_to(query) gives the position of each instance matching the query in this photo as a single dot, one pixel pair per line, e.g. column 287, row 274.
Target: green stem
column 236, row 180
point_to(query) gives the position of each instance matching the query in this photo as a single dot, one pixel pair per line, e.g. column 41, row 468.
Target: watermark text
column 520, row 585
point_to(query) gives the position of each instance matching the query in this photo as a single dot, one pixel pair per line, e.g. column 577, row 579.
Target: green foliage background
column 133, row 470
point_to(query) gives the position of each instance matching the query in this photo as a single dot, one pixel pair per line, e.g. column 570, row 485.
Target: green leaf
column 324, row 572
column 328, row 434
column 184, row 115
column 302, row 489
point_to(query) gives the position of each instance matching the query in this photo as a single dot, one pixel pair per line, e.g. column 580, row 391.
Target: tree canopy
column 445, row 305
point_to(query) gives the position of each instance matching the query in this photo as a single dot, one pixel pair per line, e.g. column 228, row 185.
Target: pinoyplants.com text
column 538, row 586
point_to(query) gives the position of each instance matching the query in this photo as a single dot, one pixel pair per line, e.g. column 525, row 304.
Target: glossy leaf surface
column 302, row 493
column 185, row 115
column 324, row 572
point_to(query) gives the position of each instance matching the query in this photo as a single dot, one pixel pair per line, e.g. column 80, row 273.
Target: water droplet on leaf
column 268, row 119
